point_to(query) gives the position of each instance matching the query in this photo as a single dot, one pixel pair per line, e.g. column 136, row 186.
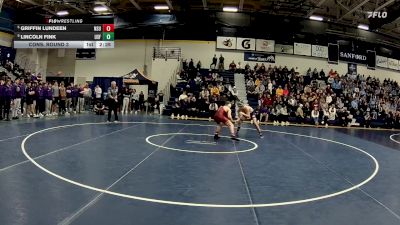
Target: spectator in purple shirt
column 17, row 95
column 75, row 95
column 30, row 97
column 81, row 99
column 49, row 98
column 2, row 87
column 23, row 96
column 41, row 99
column 68, row 102
column 8, row 96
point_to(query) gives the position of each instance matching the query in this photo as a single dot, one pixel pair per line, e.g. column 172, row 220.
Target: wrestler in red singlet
column 223, row 116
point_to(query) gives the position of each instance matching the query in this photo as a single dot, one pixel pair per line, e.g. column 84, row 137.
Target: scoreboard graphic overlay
column 66, row 33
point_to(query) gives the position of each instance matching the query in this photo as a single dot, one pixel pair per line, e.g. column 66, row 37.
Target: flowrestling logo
column 374, row 14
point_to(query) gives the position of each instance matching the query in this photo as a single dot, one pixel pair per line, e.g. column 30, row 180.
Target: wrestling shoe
column 234, row 138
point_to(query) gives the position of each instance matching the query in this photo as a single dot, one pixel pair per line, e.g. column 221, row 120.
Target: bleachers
column 228, row 76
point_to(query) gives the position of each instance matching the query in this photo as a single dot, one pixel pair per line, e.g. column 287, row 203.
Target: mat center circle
column 200, row 143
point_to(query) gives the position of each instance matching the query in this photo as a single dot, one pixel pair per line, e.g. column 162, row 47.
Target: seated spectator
column 332, row 73
column 285, row 91
column 300, row 113
column 284, row 116
column 212, row 108
column 279, row 91
column 264, row 112
column 328, row 99
column 221, row 88
column 176, row 109
column 183, row 96
column 250, row 83
column 315, row 115
column 260, row 89
column 99, row 108
column 192, row 107
column 325, row 115
column 292, row 104
column 262, row 68
column 270, row 86
column 332, row 113
column 215, row 91
column 257, row 82
column 275, row 113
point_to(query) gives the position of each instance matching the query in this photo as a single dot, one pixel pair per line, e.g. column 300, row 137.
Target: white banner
column 226, row 42
column 302, row 49
column 263, row 45
column 319, row 51
column 381, row 61
column 246, row 44
column 287, row 49
column 393, row 64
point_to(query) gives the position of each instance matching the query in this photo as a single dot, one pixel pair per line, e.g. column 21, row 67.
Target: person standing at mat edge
column 112, row 95
column 223, row 116
column 246, row 113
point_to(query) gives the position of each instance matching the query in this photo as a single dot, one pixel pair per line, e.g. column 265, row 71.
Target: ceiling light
column 100, row 8
column 318, row 18
column 62, row 13
column 161, row 7
column 363, row 26
column 230, row 9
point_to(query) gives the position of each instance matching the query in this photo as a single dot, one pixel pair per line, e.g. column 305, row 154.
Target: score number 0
column 106, row 28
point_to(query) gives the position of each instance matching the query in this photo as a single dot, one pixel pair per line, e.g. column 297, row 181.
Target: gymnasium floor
column 152, row 170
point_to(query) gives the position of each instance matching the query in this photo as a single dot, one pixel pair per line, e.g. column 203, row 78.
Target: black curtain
column 105, row 82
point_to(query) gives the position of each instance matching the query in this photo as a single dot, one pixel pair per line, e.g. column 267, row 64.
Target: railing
column 172, row 81
column 167, row 53
column 25, row 63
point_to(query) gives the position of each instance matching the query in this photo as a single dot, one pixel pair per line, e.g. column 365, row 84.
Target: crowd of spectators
column 323, row 98
column 28, row 96
column 286, row 96
column 201, row 95
column 19, row 72
column 34, row 98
